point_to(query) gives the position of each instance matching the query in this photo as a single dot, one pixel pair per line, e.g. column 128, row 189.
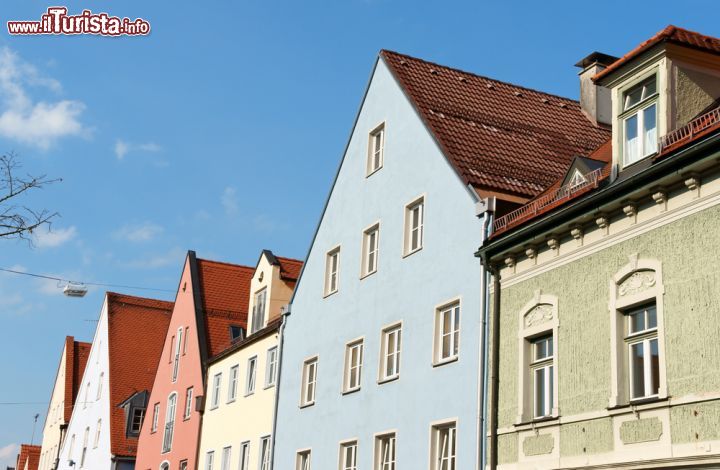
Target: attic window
column 577, row 179
column 237, row 332
column 639, row 120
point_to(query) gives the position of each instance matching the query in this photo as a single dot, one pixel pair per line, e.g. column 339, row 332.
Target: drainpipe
column 485, row 207
column 495, row 372
column 281, row 339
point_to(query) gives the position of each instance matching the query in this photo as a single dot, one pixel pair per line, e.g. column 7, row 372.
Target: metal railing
column 691, row 129
column 537, row 205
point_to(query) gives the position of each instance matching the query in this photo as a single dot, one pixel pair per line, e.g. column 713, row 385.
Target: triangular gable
column 579, row 168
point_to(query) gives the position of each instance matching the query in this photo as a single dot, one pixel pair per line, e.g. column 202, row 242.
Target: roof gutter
column 603, row 196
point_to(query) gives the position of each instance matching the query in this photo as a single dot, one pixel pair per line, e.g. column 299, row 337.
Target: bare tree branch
column 19, row 221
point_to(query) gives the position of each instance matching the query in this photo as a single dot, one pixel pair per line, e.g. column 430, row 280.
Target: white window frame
column 84, row 449
column 374, row 154
column 251, row 376
column 443, row 445
column 546, row 366
column 209, row 460
column 349, row 446
column 176, row 356
column 332, row 278
column 100, row 386
column 215, row 396
column 225, row 458
column 638, row 111
column 642, row 338
column 538, row 317
column 385, row 451
column 303, row 459
column 370, row 250
column 410, row 228
column 169, row 421
column 454, row 309
column 156, row 416
column 87, row 397
column 134, row 412
column 188, row 403
column 309, row 381
column 259, row 309
column 233, row 382
column 638, row 283
column 244, row 457
column 353, row 370
column 97, row 434
column 390, row 347
column 265, row 455
column 271, row 367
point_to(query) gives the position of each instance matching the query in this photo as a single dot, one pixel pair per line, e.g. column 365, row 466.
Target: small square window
column 390, row 353
column 371, row 250
column 332, row 267
column 414, row 221
column 376, row 148
column 447, row 333
column 353, row 366
column 137, row 420
column 309, row 381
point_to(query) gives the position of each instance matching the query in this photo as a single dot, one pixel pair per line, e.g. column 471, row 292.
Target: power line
column 99, row 284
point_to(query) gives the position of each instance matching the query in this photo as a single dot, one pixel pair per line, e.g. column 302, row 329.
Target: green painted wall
column 641, row 430
column 688, row 250
column 538, row 445
column 586, row 437
column 696, row 422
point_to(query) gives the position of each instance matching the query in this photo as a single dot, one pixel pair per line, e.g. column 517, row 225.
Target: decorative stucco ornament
column 637, row 282
column 539, row 314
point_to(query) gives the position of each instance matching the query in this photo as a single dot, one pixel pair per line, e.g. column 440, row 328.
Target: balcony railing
column 691, row 129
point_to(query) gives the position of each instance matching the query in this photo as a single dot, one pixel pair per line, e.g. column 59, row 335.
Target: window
column 577, row 179
column 187, row 330
column 302, row 461
column 72, row 445
column 138, row 414
column 447, row 333
column 271, row 367
column 188, row 402
column 84, row 448
column 165, row 466
column 265, row 453
column 156, row 413
column 640, row 121
column 643, row 352
column 216, row 391
column 414, row 219
column 176, row 360
column 237, row 332
column 390, row 353
column 87, row 395
column 100, row 385
column 183, row 463
column 258, row 313
column 348, row 455
column 332, row 264
column 353, row 366
column 385, row 452
column 172, row 348
column 309, row 379
column 371, row 241
column 97, row 434
column 209, row 460
column 443, row 447
column 225, row 461
column 232, row 386
column 169, row 423
column 376, row 146
column 245, row 456
column 251, row 374
column 541, row 369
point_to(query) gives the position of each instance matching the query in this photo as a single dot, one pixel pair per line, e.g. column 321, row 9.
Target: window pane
column 631, row 139
column 539, row 392
column 633, row 97
column 650, row 131
column 649, row 89
column 637, row 321
column 654, row 367
column 637, row 372
column 651, row 317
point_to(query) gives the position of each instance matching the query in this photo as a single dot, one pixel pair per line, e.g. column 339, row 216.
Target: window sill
column 328, row 294
column 267, row 386
column 385, row 380
column 366, row 275
column 249, row 394
column 544, row 421
column 641, row 403
column 410, row 253
column 350, row 391
column 230, row 401
column 214, row 408
column 307, row 405
column 447, row 360
column 186, row 418
column 369, row 174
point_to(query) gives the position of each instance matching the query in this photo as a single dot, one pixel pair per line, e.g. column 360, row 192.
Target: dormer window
column 639, row 118
column 258, row 318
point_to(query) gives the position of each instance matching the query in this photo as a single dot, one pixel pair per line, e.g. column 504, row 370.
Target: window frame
column 545, row 365
column 133, row 412
column 265, row 455
column 370, row 167
column 637, row 110
column 271, row 363
column 342, row 449
column 305, row 384
column 226, row 458
column 436, row 448
column 251, row 375
column 378, row 450
column 258, row 314
column 348, row 366
column 187, row 413
column 233, row 382
column 303, row 459
column 368, row 232
column 408, row 228
column 176, row 355
column 216, row 387
column 209, row 460
column 96, row 440
column 328, row 290
column 383, row 376
column 169, row 420
column 439, row 333
column 156, row 417
column 643, row 337
column 244, row 457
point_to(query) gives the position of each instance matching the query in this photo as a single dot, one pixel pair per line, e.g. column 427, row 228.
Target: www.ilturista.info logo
column 57, row 21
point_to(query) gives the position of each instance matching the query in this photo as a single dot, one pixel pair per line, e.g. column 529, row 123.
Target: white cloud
column 123, row 147
column 9, row 453
column 174, row 256
column 22, row 119
column 46, row 238
column 139, row 233
column 229, row 200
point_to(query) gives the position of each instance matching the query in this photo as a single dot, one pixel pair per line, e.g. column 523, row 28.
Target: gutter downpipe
column 487, row 208
column 495, row 371
column 281, row 339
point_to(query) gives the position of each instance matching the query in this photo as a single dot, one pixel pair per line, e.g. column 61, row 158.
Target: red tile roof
column 226, row 295
column 498, row 136
column 289, row 268
column 136, row 328
column 671, row 34
column 76, row 356
column 30, row 455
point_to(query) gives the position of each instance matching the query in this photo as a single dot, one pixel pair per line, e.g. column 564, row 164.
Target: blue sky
column 221, row 132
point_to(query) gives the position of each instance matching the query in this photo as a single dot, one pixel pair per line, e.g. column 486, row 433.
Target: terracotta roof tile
column 76, row 356
column 498, row 136
column 290, row 268
column 29, row 455
column 672, row 34
column 136, row 328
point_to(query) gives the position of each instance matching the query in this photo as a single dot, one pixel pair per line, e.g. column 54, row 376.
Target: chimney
column 594, row 99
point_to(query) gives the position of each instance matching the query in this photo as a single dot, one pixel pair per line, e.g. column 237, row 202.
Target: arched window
column 169, row 422
column 165, row 466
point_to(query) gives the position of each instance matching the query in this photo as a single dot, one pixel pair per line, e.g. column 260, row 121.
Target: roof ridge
column 140, row 301
column 225, row 263
column 484, row 77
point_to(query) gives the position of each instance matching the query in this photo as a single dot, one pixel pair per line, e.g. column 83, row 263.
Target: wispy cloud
column 123, row 147
column 40, row 123
column 139, row 233
column 229, row 200
column 8, row 454
column 154, row 261
column 46, row 238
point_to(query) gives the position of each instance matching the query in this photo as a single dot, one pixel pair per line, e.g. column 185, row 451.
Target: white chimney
column 595, row 100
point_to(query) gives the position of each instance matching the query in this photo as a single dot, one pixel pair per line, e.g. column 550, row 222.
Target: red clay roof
column 136, row 328
column 76, row 356
column 30, row 455
column 226, row 295
column 498, row 136
column 289, row 268
column 671, row 34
